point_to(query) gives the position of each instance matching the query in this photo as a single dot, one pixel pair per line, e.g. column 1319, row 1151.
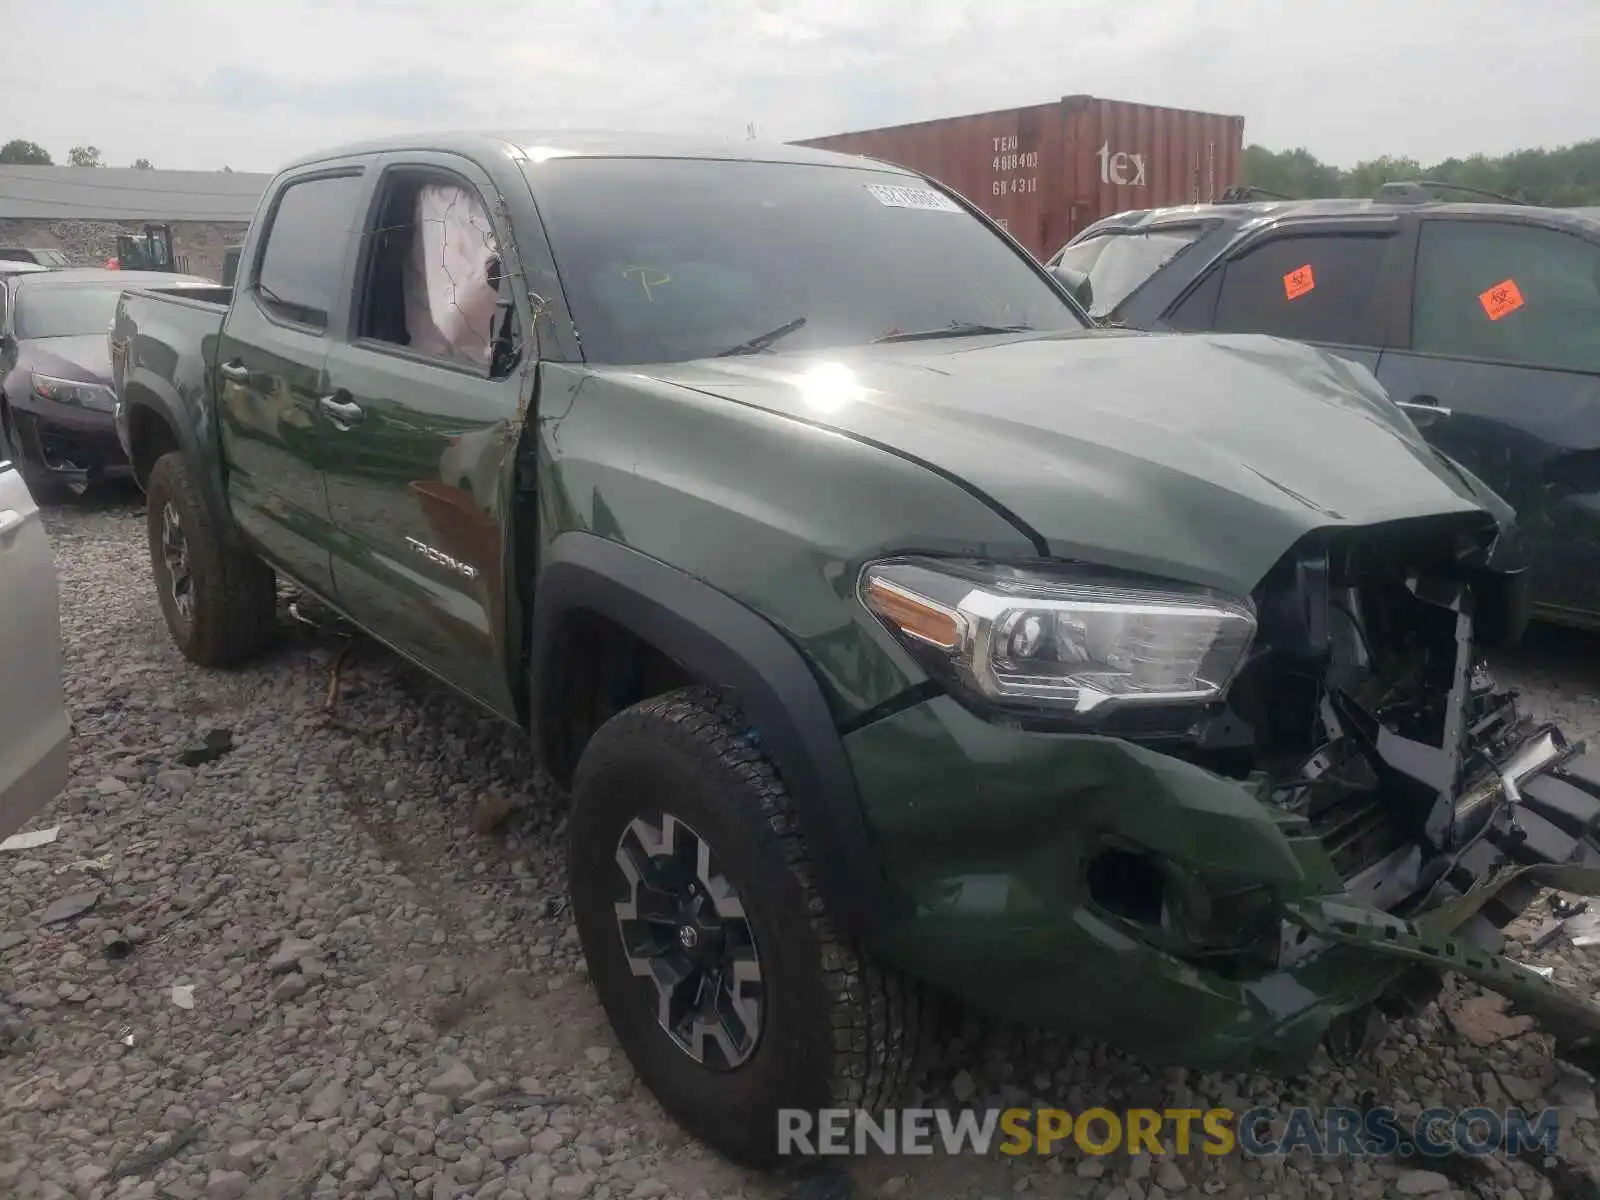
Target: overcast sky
column 250, row 83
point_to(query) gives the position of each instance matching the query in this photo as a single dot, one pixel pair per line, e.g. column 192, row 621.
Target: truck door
column 270, row 375
column 423, row 409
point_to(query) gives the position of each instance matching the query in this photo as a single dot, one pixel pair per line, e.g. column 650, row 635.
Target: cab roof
column 538, row 145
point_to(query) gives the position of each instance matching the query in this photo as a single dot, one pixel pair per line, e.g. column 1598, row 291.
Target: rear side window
column 1507, row 293
column 1312, row 288
column 303, row 262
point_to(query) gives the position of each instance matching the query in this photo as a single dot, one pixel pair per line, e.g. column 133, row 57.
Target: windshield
column 1117, row 263
column 55, row 311
column 665, row 260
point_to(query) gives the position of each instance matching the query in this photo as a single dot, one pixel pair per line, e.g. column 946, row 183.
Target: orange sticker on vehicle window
column 1502, row 298
column 1298, row 282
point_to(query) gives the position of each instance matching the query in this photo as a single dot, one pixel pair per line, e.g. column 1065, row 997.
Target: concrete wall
column 90, row 243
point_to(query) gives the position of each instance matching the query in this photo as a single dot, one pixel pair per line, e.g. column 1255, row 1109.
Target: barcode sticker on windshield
column 896, row 196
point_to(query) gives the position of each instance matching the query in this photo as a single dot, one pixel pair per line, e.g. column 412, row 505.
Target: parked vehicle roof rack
column 1248, row 192
column 1423, row 191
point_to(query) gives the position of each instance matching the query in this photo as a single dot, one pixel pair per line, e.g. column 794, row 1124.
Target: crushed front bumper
column 990, row 838
column 68, row 443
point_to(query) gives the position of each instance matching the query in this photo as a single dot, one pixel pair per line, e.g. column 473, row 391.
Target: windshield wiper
column 757, row 344
column 954, row 329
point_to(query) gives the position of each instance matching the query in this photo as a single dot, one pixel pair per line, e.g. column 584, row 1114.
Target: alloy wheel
column 175, row 554
column 684, row 929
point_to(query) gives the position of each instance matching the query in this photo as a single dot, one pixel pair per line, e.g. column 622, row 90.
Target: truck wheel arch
column 159, row 423
column 719, row 642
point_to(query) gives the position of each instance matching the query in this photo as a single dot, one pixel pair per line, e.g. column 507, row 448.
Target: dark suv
column 1482, row 320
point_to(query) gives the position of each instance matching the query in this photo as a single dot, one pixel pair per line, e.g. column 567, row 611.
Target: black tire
column 836, row 1030
column 232, row 594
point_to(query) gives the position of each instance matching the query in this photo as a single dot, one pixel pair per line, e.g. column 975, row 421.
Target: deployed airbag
column 450, row 295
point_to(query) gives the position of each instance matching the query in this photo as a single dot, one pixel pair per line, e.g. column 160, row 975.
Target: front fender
column 728, row 646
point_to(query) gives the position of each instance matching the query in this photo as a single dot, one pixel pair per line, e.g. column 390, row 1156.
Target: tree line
column 1564, row 177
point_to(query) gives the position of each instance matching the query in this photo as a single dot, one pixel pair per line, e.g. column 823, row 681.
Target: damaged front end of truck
column 1362, row 811
column 1368, row 721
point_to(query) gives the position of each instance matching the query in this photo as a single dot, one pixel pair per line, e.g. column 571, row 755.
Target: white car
column 35, row 731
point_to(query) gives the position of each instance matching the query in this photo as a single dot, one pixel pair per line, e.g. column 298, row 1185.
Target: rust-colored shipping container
column 1047, row 171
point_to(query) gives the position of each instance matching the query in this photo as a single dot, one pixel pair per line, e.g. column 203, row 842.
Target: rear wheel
column 220, row 603
column 707, row 940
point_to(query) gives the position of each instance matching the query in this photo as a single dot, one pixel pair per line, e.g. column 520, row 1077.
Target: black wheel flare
column 686, row 936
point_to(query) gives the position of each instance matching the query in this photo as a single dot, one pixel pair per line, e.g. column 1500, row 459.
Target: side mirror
column 1075, row 282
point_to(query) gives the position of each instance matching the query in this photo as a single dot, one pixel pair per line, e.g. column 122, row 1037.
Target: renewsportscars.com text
column 1257, row 1132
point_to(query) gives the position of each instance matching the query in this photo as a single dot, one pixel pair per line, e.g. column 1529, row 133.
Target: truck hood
column 1194, row 457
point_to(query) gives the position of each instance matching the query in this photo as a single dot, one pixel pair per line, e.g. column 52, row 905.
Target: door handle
column 1424, row 406
column 342, row 412
column 235, row 371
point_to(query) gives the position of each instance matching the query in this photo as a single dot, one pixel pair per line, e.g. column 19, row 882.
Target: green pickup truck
column 896, row 633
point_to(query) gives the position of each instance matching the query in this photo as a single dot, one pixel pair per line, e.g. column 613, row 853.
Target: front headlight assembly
column 95, row 396
column 1072, row 640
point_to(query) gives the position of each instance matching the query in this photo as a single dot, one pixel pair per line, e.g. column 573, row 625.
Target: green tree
column 1297, row 172
column 25, row 153
column 142, row 164
column 84, row 156
column 1364, row 179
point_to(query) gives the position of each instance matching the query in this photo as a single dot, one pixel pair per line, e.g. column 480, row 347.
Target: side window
column 1507, row 293
column 434, row 280
column 1311, row 288
column 303, row 261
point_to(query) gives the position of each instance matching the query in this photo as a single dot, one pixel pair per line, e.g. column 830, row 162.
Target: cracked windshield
column 801, row 602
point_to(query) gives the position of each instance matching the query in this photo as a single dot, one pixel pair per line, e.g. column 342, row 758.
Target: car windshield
column 1118, row 263
column 45, row 311
column 666, row 260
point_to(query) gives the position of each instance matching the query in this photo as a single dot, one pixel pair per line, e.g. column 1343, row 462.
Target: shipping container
column 1047, row 171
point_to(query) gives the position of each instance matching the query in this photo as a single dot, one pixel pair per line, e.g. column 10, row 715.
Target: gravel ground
column 334, row 960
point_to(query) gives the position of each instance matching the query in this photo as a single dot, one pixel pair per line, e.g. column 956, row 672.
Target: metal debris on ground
column 27, row 841
column 1584, row 929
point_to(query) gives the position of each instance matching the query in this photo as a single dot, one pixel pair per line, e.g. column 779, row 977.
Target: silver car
column 35, row 731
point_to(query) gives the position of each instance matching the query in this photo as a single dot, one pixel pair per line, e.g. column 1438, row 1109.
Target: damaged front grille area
column 1364, row 702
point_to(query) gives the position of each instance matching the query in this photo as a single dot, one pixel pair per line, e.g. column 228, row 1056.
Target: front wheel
column 220, row 603
column 707, row 940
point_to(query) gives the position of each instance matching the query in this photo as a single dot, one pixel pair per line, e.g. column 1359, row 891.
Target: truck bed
column 162, row 342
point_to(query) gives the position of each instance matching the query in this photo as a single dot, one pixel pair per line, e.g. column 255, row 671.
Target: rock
column 176, row 781
column 1091, row 1168
column 1421, row 1183
column 227, row 1185
column 1483, row 1020
column 289, row 953
column 453, row 1082
column 68, row 907
column 242, row 1155
column 10, row 940
column 598, row 1055
column 327, row 1102
column 1169, row 1178
column 571, row 1187
column 964, row 1087
column 292, row 987
column 648, row 1189
column 490, row 814
column 110, row 786
column 548, row 1141
column 508, row 1146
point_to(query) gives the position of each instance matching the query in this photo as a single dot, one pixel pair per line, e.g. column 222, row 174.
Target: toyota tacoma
column 895, row 632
